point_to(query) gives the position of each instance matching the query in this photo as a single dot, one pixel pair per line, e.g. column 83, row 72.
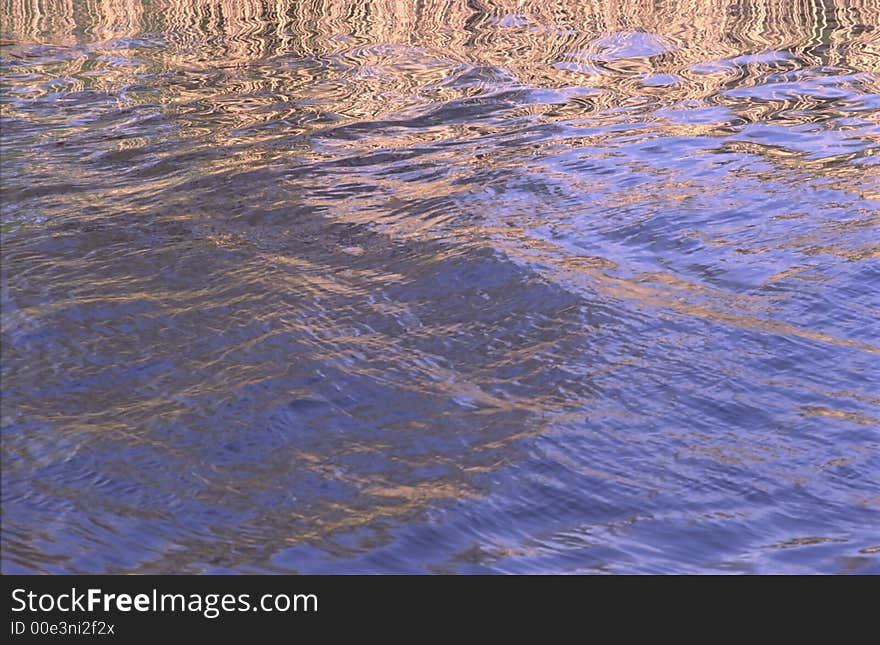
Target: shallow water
column 441, row 286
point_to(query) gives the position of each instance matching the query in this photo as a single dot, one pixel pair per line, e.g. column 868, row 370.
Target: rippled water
column 440, row 286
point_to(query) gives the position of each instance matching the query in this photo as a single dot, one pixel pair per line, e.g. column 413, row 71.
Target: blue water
column 483, row 287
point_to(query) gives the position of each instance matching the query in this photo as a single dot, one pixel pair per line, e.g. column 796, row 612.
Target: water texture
column 440, row 286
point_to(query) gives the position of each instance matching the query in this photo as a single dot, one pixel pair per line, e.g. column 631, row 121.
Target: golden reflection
column 389, row 56
column 526, row 37
column 854, row 417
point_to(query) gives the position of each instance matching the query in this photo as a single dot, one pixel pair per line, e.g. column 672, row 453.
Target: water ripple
column 483, row 288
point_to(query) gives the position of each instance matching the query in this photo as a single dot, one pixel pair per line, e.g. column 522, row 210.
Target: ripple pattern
column 451, row 287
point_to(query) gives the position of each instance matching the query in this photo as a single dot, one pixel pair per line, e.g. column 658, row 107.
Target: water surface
column 440, row 286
